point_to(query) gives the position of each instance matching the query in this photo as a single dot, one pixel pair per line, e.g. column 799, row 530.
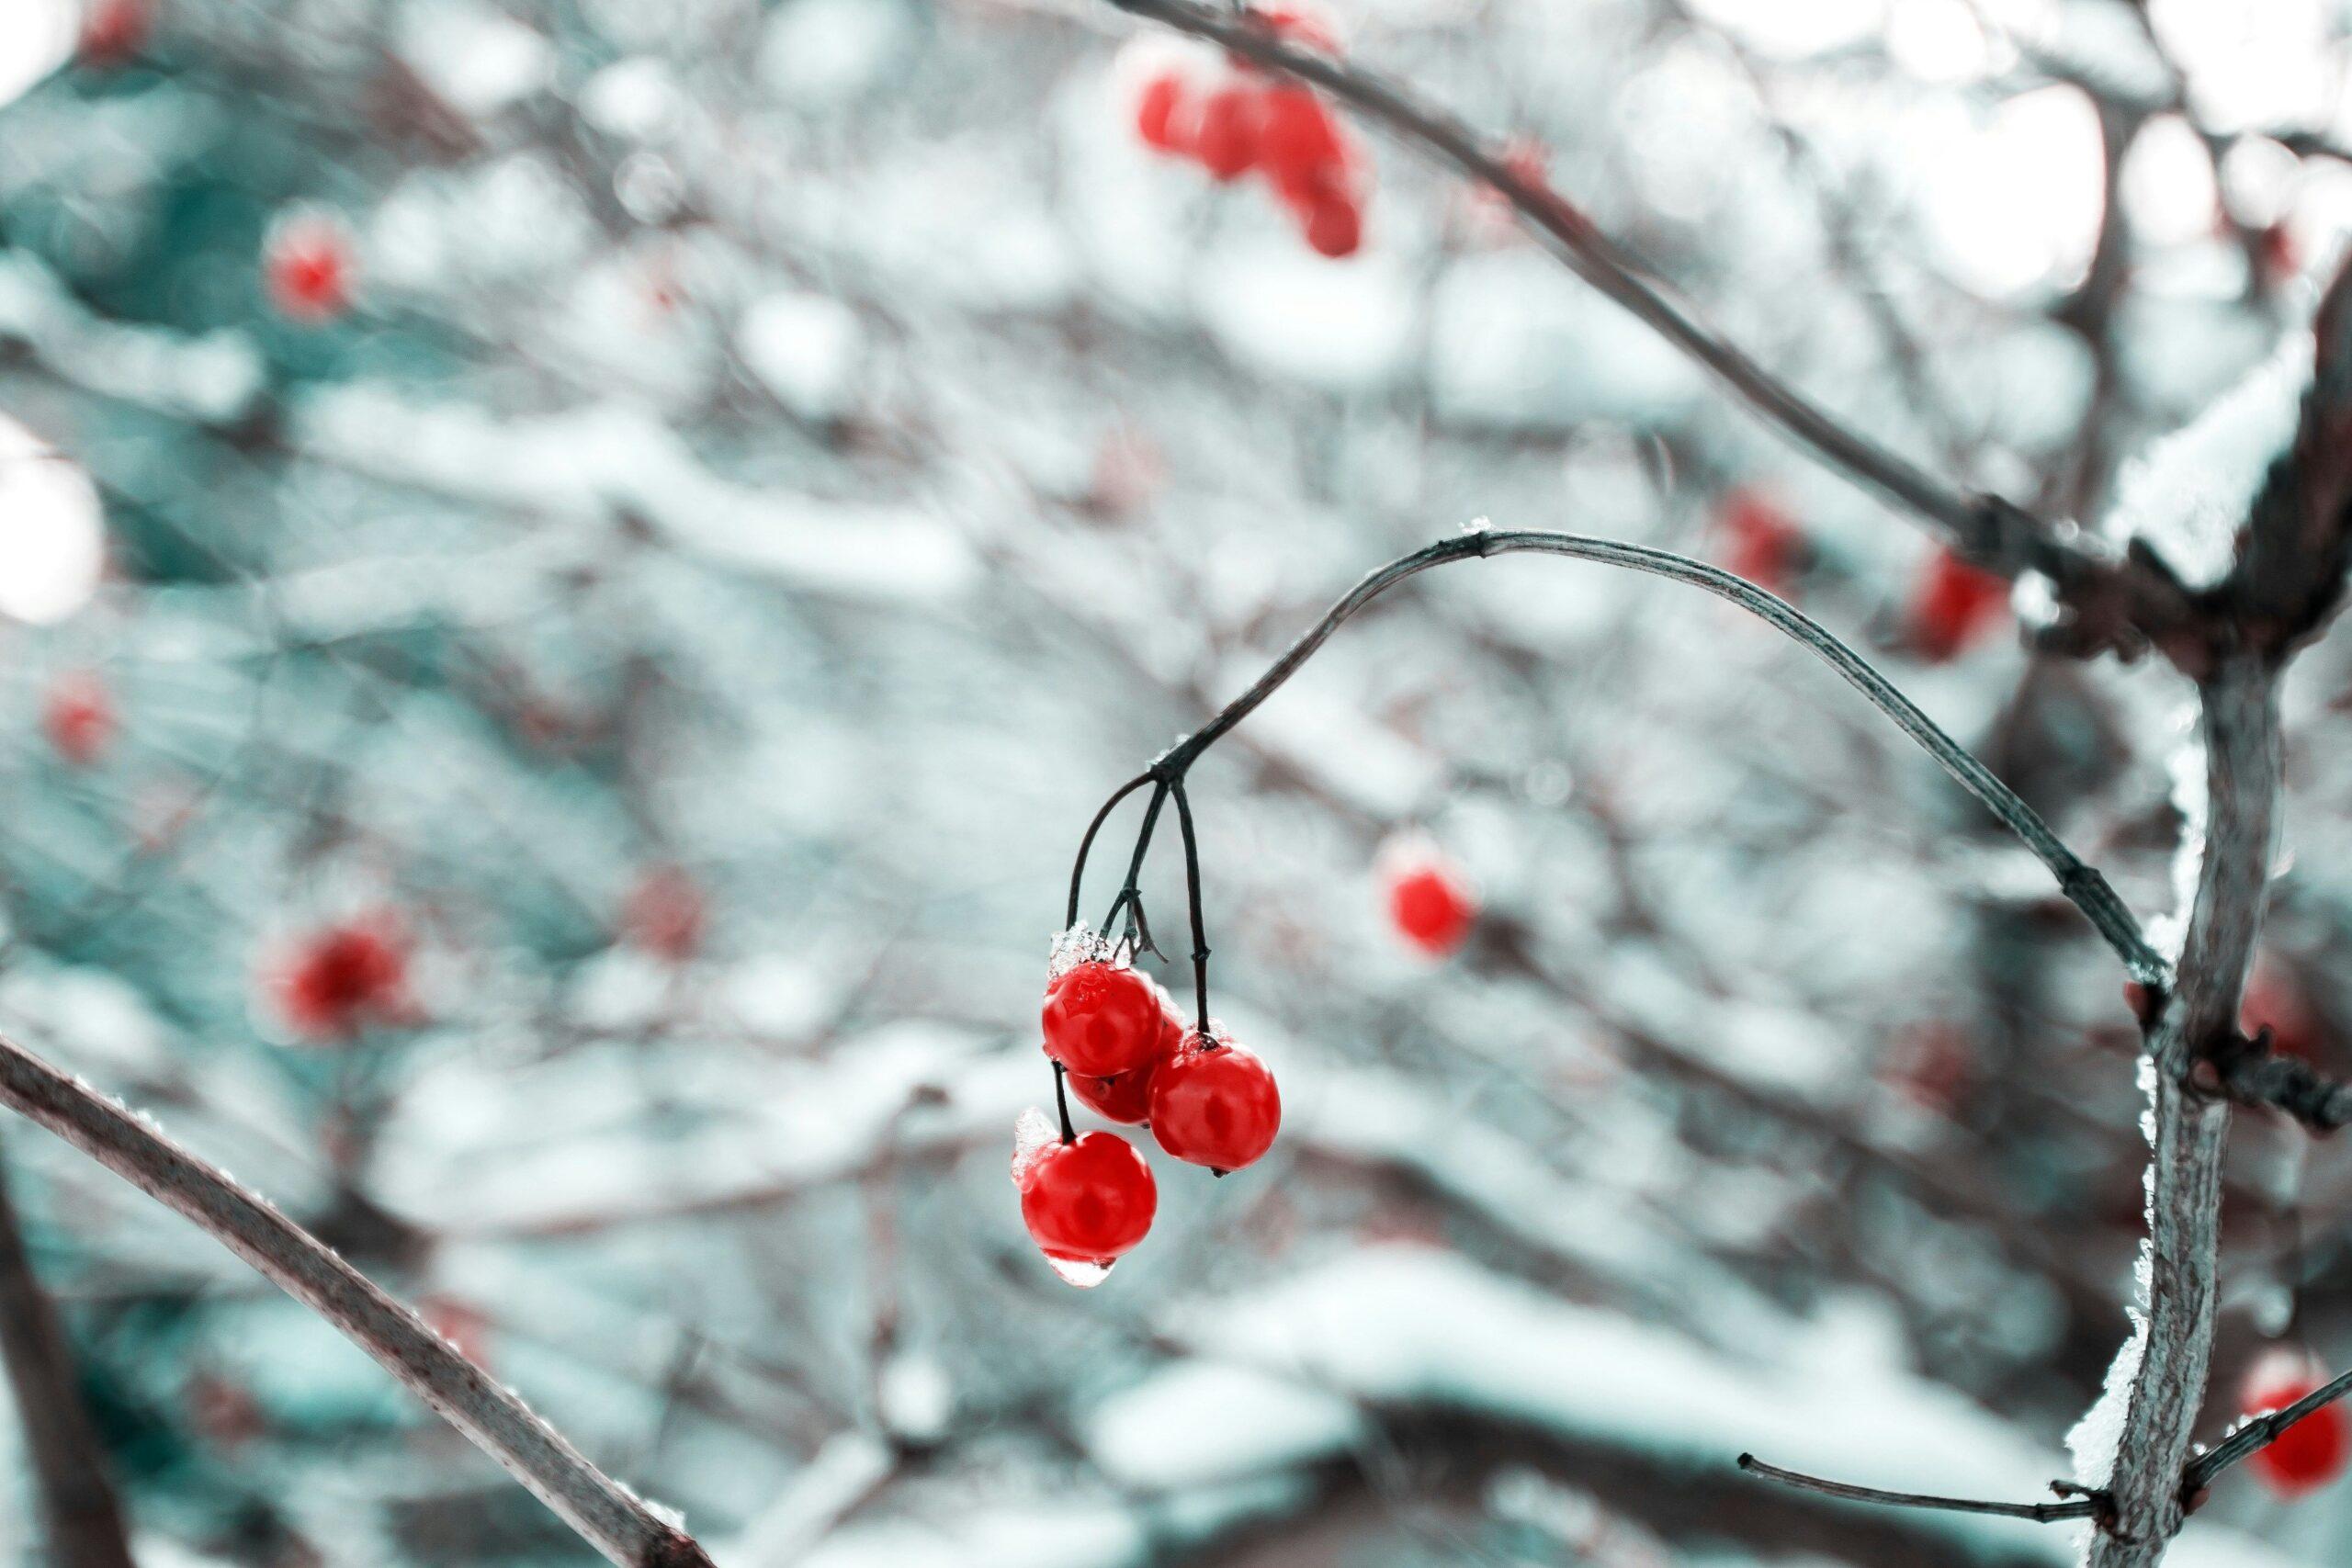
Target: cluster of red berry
column 1126, row 1051
column 1224, row 113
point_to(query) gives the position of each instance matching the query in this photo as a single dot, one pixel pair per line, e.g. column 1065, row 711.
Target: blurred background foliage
column 749, row 477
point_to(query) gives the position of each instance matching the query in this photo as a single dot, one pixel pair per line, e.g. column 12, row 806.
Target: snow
column 1279, row 308
column 36, row 37
column 1198, row 1424
column 480, row 60
column 1518, row 344
column 2188, row 495
column 52, row 530
column 807, row 349
column 213, row 377
column 609, row 457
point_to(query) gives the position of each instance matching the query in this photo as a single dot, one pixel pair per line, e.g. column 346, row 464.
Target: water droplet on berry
column 1084, row 1276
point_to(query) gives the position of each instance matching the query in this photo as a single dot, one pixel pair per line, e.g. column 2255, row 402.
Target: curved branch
column 2077, row 1508
column 2114, row 602
column 604, row 1512
column 2082, row 885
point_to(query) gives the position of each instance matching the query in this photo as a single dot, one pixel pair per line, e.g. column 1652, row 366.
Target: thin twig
column 81, row 1518
column 2082, row 885
column 2083, row 1507
column 2259, row 1433
column 605, row 1514
column 2114, row 601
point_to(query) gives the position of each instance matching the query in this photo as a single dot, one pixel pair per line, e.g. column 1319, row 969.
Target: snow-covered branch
column 605, row 1514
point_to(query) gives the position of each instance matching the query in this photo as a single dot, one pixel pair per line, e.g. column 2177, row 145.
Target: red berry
column 1298, row 141
column 1160, row 111
column 1127, row 1097
column 1955, row 604
column 1765, row 541
column 78, row 717
column 307, row 266
column 1223, row 134
column 1430, row 900
column 2275, row 1000
column 2311, row 1452
column 665, row 914
column 1086, row 1203
column 1214, row 1103
column 340, row 979
column 1101, row 1019
column 1335, row 227
column 113, row 31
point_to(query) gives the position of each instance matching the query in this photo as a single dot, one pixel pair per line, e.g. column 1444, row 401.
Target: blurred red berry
column 1298, row 140
column 1335, row 227
column 1160, row 111
column 78, row 717
column 1430, row 900
column 1763, row 543
column 460, row 1321
column 665, row 913
column 1955, row 604
column 1101, row 1019
column 113, row 31
column 1087, row 1201
column 2311, row 1452
column 1224, row 133
column 2275, row 1000
column 308, row 268
column 1214, row 1103
column 341, row 980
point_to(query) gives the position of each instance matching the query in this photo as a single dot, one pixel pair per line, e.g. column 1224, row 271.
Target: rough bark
column 2189, row 1129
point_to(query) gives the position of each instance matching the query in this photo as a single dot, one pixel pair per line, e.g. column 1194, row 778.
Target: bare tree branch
column 605, row 1514
column 80, row 1516
column 2241, row 715
column 2074, row 1507
column 2114, row 602
column 2259, row 1433
column 2081, row 882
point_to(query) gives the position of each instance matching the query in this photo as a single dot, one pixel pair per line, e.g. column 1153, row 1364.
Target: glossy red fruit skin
column 78, row 718
column 1101, row 1019
column 1159, row 112
column 1089, row 1201
column 1125, row 1098
column 1956, row 603
column 1224, row 135
column 1214, row 1103
column 1430, row 907
column 2307, row 1455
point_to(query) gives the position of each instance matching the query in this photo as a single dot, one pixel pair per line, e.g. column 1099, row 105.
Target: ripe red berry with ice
column 2311, row 1452
column 1087, row 1202
column 1214, row 1103
column 78, row 718
column 1101, row 1018
column 1431, row 901
column 308, row 268
column 1954, row 606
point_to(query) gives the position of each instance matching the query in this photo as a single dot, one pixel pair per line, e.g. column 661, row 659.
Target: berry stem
column 1078, row 871
column 2259, row 1433
column 1130, row 897
column 1061, row 1102
column 2081, row 1504
column 1193, row 895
